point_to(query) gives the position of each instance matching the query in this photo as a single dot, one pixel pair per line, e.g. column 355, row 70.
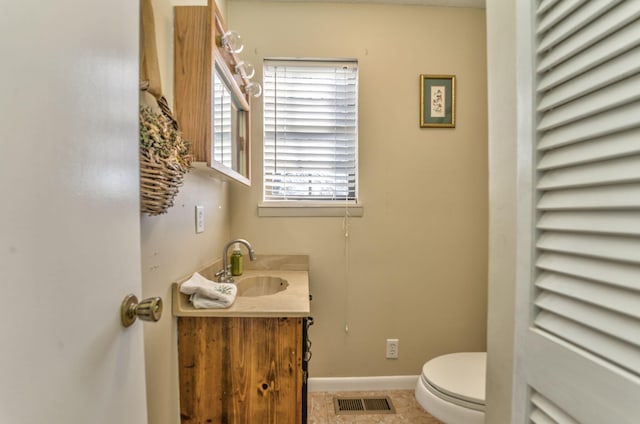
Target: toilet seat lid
column 459, row 375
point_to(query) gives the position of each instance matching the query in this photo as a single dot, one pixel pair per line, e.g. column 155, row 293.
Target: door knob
column 149, row 309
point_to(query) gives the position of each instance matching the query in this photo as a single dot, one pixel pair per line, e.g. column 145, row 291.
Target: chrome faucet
column 224, row 275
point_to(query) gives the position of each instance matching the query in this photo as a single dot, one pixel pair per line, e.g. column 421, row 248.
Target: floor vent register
column 363, row 405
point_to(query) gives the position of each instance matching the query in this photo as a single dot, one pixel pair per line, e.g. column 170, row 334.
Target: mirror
column 230, row 142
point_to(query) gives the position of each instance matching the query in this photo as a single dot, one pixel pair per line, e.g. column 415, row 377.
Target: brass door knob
column 149, row 309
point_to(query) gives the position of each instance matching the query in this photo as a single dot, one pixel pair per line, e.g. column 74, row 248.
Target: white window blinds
column 310, row 130
column 588, row 244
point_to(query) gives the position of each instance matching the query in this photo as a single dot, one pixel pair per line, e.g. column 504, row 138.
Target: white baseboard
column 362, row 384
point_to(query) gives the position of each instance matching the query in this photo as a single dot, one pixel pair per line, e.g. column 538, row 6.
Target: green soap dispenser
column 236, row 260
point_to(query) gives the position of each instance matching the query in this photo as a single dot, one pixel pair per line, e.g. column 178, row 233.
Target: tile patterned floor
column 408, row 411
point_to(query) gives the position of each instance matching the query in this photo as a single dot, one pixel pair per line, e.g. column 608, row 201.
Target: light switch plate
column 199, row 219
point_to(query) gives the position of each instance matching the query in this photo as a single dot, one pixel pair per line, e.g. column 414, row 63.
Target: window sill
column 284, row 209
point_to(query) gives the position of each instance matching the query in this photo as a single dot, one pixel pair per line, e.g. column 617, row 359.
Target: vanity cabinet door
column 240, row 370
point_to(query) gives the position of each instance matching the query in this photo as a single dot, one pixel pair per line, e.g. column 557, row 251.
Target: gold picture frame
column 437, row 101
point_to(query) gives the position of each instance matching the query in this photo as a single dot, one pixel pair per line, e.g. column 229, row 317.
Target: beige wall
column 171, row 248
column 417, row 259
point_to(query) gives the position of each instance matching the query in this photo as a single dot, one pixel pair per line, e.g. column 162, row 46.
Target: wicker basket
column 160, row 181
column 160, row 178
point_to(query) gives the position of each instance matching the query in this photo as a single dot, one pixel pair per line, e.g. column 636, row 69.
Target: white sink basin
column 261, row 286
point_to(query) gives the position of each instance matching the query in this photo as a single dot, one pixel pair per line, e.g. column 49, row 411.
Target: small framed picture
column 437, row 101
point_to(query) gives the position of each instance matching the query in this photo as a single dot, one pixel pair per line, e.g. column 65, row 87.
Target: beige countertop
column 291, row 302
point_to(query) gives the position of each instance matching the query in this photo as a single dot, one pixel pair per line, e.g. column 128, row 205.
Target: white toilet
column 451, row 387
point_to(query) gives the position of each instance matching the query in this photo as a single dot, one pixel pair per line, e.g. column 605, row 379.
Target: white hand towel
column 206, row 294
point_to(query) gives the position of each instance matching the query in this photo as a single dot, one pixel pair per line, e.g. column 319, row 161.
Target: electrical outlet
column 199, row 219
column 392, row 348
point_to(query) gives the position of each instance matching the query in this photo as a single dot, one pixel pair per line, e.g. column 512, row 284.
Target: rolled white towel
column 207, row 294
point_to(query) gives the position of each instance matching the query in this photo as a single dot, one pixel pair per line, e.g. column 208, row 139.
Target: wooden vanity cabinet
column 240, row 370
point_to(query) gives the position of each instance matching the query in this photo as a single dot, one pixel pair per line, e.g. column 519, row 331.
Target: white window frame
column 310, row 207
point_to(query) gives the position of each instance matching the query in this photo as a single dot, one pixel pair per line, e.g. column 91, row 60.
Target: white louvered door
column 578, row 340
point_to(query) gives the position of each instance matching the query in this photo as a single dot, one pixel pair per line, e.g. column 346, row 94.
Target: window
column 310, row 131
